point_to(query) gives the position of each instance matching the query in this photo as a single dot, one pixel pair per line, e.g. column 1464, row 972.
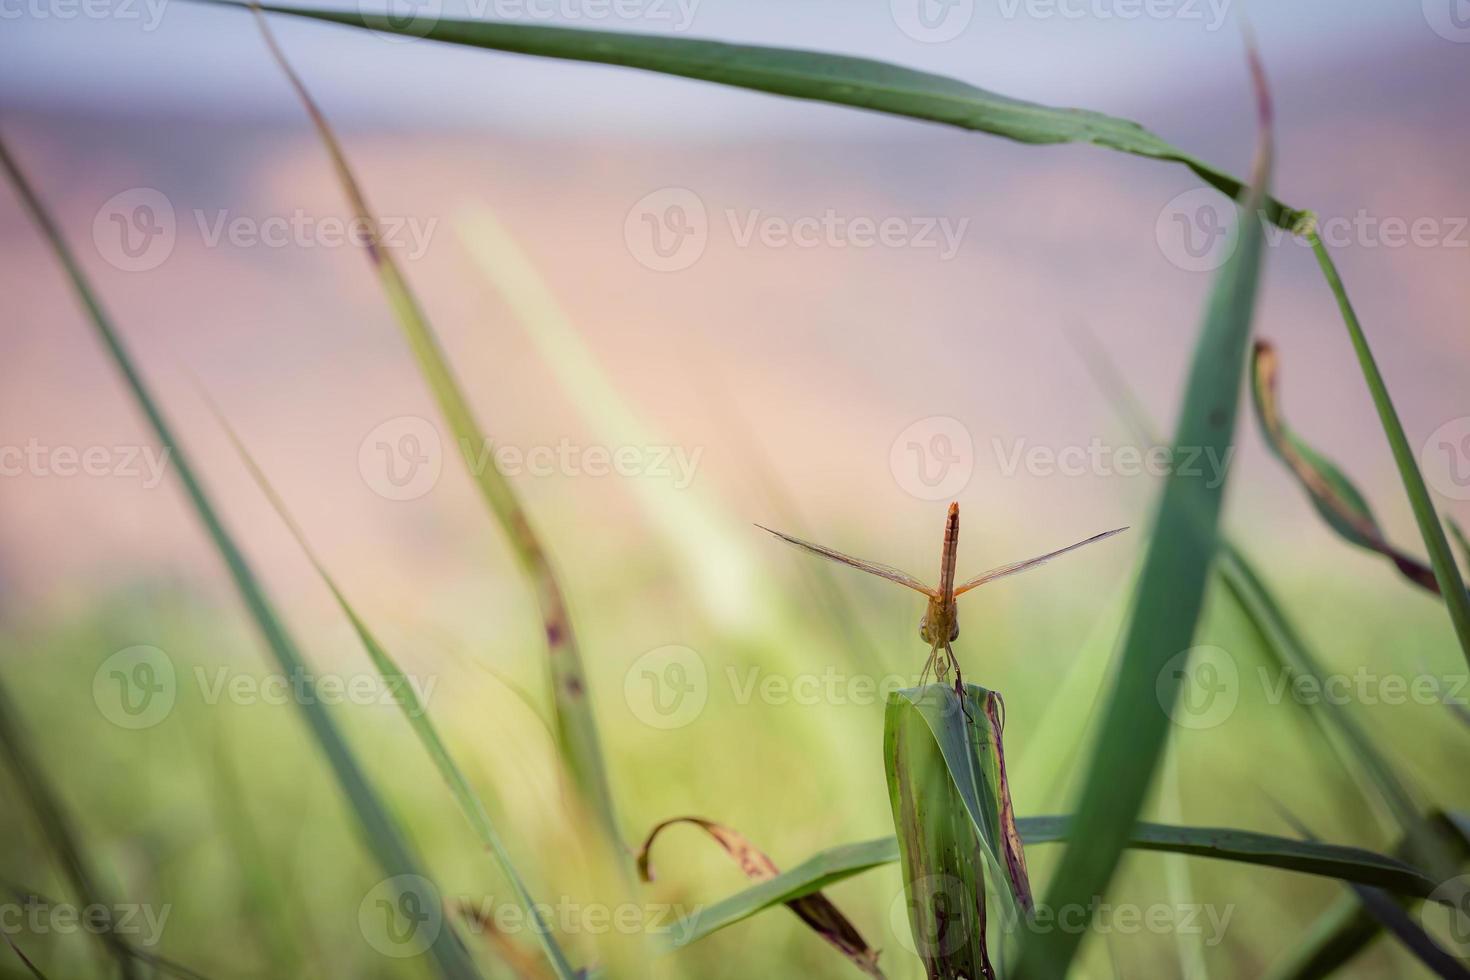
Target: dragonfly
column 940, row 625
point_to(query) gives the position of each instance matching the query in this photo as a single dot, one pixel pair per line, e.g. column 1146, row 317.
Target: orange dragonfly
column 940, row 625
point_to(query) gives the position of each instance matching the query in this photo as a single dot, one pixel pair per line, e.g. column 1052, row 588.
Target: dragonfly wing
column 873, row 568
column 1021, row 566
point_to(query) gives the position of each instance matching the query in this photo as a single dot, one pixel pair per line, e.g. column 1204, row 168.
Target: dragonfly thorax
column 932, row 624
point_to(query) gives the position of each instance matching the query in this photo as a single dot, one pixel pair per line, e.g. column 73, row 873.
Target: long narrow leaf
column 828, row 867
column 1170, row 591
column 406, row 697
column 1437, row 843
column 385, row 840
column 576, row 727
column 837, row 79
column 1446, row 572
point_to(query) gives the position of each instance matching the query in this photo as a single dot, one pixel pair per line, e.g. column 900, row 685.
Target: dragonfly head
column 932, row 625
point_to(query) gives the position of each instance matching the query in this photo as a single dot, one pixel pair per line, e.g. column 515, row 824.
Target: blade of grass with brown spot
column 417, row 714
column 1331, row 492
column 812, row 907
column 577, row 736
column 384, row 839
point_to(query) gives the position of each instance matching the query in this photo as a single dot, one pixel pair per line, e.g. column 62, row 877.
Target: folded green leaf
column 811, row 906
column 955, row 830
column 1330, row 491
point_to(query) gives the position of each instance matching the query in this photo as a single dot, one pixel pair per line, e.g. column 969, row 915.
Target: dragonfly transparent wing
column 1021, row 566
column 873, row 568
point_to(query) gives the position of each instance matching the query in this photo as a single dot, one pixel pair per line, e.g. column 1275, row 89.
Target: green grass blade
column 1348, row 926
column 1463, row 543
column 31, row 968
column 837, row 79
column 827, row 867
column 1170, row 592
column 576, row 726
column 1358, row 754
column 1394, row 918
column 1340, row 503
column 382, row 835
column 1446, row 572
column 55, row 823
column 406, row 697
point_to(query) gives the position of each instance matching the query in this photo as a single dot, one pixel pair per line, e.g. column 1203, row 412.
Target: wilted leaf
column 1331, row 492
column 813, row 908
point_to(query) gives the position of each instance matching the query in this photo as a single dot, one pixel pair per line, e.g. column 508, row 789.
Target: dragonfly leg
column 934, row 664
column 959, row 680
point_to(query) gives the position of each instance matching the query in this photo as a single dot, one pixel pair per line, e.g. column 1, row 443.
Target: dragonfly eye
column 954, row 631
column 924, row 627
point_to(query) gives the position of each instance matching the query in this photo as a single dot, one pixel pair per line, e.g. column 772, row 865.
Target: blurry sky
column 1111, row 55
column 799, row 366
